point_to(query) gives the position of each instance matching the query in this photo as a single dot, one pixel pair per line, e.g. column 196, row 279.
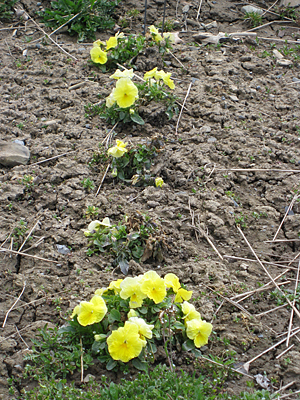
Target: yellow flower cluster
column 99, row 50
column 160, row 76
column 127, row 341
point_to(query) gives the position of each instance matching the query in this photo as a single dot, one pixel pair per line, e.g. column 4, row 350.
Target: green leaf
column 137, row 119
column 140, row 365
column 111, row 364
column 143, row 310
column 66, row 329
column 188, row 345
column 178, row 325
column 116, row 314
column 196, row 352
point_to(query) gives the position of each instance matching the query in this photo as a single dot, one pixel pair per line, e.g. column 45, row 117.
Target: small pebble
column 19, row 142
column 88, row 126
column 62, row 249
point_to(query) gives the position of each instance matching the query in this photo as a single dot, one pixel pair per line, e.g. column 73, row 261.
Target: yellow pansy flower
column 127, row 73
column 91, row 312
column 159, row 182
column 155, row 33
column 198, row 331
column 98, row 56
column 154, row 287
column 111, row 42
column 124, row 344
column 119, row 150
column 131, row 287
column 115, row 286
column 150, row 74
column 172, row 280
column 183, row 294
column 125, row 92
column 168, row 81
column 99, row 292
column 145, row 330
column 189, row 311
column 132, row 313
column 98, row 43
column 110, row 100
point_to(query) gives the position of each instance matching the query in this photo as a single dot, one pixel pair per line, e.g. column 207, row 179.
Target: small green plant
column 20, row 125
column 90, row 15
column 27, row 180
column 122, row 105
column 7, row 9
column 133, row 165
column 19, row 233
column 254, row 18
column 241, row 220
column 88, row 184
column 169, row 25
column 137, row 237
column 91, row 212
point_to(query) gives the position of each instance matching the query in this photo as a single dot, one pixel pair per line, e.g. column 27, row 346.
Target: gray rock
column 290, row 3
column 62, row 249
column 251, row 9
column 211, row 139
column 12, row 154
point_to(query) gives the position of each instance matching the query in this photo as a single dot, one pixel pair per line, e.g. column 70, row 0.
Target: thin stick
column 226, row 366
column 81, row 361
column 285, row 351
column 18, row 332
column 265, row 12
column 102, row 180
column 6, row 315
column 66, row 23
column 107, row 138
column 269, row 311
column 50, row 38
column 169, row 52
column 52, row 158
column 288, row 395
column 281, row 240
column 297, row 171
column 30, row 232
column 200, row 230
column 199, row 9
column 218, row 309
column 267, row 272
column 35, row 244
column 29, row 255
column 145, row 18
column 42, row 298
column 188, row 91
column 271, row 12
column 229, row 300
column 265, row 262
column 286, row 214
column 259, row 290
column 294, row 302
column 267, row 24
column 285, row 387
column 278, row 40
column 266, row 351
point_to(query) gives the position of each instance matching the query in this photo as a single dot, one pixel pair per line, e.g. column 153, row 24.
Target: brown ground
column 242, row 112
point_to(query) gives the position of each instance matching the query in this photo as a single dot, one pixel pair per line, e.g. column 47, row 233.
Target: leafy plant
column 137, row 238
column 254, row 17
column 133, row 165
column 88, row 16
column 7, row 9
column 91, row 212
column 88, row 184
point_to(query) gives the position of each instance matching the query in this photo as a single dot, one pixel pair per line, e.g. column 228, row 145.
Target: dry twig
column 285, row 215
column 186, row 96
column 29, row 255
column 11, row 308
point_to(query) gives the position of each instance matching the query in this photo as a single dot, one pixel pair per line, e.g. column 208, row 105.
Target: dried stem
column 285, row 215
column 28, row 255
column 186, row 96
column 267, row 272
column 6, row 315
column 102, row 180
column 294, row 302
